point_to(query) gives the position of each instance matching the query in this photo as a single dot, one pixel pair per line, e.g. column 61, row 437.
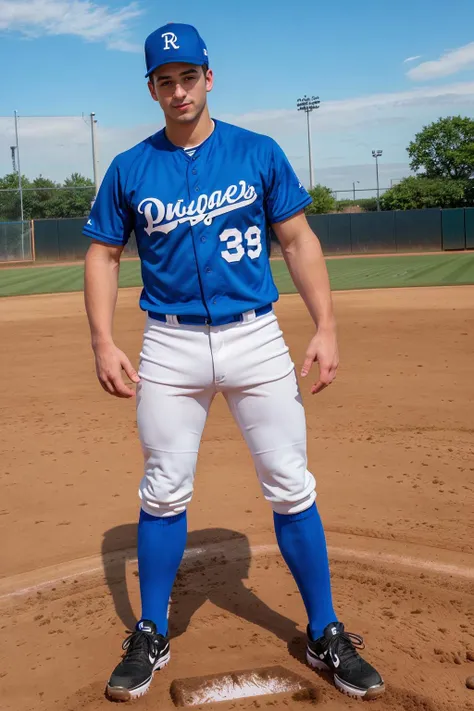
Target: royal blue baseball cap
column 174, row 42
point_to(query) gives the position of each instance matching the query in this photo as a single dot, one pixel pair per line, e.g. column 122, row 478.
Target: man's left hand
column 323, row 350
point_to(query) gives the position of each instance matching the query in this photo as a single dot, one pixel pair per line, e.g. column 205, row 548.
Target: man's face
column 181, row 90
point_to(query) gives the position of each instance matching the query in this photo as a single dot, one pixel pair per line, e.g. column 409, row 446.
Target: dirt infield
column 391, row 444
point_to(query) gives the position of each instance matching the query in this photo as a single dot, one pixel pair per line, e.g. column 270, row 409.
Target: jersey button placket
column 199, row 238
column 194, row 171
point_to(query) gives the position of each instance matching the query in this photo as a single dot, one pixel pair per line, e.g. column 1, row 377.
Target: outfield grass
column 394, row 271
column 351, row 273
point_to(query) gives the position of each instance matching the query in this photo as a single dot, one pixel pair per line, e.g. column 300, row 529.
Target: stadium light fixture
column 377, row 155
column 309, row 104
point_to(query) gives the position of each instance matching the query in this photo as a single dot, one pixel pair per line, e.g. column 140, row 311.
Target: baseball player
column 199, row 196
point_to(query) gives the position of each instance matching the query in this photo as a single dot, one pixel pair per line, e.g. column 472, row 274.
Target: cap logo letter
column 170, row 40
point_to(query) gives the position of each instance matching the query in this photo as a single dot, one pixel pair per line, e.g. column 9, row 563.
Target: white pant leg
column 173, row 400
column 170, row 424
column 272, row 420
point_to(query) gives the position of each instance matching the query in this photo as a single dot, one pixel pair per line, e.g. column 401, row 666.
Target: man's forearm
column 307, row 267
column 100, row 293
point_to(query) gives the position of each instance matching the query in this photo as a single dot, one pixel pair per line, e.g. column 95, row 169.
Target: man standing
column 199, row 196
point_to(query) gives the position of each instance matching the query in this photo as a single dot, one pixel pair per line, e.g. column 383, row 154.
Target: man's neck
column 192, row 134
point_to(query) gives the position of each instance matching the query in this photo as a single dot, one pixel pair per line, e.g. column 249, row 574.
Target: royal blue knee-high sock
column 161, row 544
column 303, row 546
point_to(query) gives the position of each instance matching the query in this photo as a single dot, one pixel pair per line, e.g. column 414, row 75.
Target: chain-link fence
column 48, row 167
column 359, row 199
column 16, row 241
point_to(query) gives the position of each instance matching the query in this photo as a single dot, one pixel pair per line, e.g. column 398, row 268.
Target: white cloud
column 450, row 62
column 81, row 18
column 58, row 146
column 373, row 109
column 412, row 59
column 344, row 134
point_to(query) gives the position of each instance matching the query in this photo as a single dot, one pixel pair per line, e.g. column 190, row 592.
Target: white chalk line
column 190, row 554
column 20, row 592
column 459, row 571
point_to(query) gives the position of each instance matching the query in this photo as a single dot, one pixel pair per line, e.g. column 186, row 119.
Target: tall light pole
column 354, row 188
column 20, row 187
column 376, row 155
column 308, row 105
column 17, row 148
column 94, row 153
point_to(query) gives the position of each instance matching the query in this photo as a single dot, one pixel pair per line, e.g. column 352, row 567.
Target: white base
column 231, row 686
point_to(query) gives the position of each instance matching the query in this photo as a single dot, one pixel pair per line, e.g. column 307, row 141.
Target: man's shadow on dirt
column 213, row 576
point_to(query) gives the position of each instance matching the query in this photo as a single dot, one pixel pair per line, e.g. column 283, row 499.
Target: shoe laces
column 345, row 646
column 139, row 643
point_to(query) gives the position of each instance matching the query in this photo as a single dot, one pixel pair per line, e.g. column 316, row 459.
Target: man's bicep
column 104, row 251
column 292, row 229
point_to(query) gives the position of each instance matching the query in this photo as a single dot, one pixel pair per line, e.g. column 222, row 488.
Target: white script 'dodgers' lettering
column 165, row 218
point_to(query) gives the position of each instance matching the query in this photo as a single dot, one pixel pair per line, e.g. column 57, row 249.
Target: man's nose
column 179, row 92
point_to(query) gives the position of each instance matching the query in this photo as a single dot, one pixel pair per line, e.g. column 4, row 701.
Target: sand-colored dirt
column 391, row 444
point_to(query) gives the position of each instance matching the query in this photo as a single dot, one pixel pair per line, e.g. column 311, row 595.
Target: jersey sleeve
column 285, row 194
column 111, row 219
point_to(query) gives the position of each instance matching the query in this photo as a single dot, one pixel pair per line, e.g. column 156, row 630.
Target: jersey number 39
column 235, row 250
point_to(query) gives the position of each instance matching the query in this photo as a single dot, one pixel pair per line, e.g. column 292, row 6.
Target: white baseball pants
column 181, row 370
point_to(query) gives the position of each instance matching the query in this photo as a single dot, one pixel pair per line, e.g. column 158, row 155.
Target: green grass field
column 351, row 273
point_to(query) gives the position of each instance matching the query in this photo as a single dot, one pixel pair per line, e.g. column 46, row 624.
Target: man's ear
column 151, row 89
column 209, row 79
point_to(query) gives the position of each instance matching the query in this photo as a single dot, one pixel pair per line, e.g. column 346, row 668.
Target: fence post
column 33, row 249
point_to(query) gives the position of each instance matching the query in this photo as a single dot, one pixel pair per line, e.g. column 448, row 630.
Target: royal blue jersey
column 201, row 220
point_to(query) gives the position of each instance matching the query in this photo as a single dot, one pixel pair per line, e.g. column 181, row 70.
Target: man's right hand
column 109, row 363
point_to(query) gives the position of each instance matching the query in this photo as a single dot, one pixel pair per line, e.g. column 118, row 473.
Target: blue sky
column 71, row 57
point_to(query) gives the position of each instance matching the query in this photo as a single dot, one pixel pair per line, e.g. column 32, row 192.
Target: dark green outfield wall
column 360, row 233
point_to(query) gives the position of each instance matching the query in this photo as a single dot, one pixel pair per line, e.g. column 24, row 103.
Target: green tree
column 323, row 201
column 48, row 200
column 368, row 204
column 10, row 209
column 444, row 149
column 41, row 197
column 365, row 204
column 73, row 201
column 419, row 192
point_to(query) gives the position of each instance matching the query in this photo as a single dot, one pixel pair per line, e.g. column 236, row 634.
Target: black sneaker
column 145, row 652
column 337, row 652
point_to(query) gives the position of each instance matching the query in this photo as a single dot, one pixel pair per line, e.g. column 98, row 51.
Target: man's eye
column 165, row 83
